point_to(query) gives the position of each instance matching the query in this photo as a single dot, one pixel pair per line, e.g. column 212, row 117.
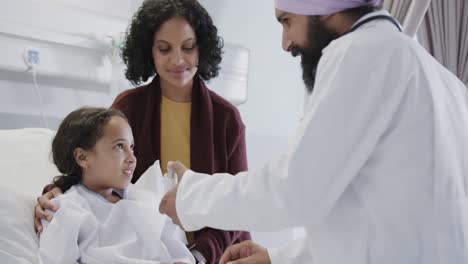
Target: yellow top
column 175, row 137
column 175, row 132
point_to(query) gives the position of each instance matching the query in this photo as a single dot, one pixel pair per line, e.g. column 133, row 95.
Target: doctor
column 377, row 172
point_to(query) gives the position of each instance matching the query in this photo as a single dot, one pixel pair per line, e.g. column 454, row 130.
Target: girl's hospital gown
column 89, row 229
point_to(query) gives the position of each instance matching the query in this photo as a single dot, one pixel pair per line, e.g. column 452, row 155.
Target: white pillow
column 18, row 240
column 25, row 159
column 26, row 169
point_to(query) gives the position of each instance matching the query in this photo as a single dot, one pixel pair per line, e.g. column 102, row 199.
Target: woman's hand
column 44, row 203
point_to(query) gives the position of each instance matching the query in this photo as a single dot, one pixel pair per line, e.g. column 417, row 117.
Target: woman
column 175, row 116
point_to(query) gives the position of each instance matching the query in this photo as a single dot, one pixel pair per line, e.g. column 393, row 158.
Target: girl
column 103, row 218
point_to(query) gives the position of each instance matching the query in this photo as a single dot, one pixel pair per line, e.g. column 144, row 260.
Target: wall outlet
column 31, row 57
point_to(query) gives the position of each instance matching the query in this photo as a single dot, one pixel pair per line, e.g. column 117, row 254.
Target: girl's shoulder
column 71, row 199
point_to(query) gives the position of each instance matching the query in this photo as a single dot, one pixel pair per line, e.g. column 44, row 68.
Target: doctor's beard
column 318, row 38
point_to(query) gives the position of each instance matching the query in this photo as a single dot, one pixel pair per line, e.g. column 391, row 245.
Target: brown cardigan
column 217, row 144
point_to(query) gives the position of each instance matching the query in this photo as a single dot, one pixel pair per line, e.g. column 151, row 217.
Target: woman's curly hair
column 137, row 49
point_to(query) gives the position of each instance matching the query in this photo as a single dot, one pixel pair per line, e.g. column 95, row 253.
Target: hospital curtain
column 444, row 33
column 409, row 13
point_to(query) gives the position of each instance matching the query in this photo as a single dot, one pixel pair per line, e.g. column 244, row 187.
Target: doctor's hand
column 44, row 203
column 245, row 252
column 168, row 206
column 178, row 168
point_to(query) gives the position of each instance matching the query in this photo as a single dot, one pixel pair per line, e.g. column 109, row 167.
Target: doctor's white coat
column 377, row 171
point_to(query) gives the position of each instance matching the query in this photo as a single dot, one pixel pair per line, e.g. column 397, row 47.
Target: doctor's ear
column 79, row 155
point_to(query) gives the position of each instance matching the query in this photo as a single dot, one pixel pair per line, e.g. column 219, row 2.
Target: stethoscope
column 372, row 18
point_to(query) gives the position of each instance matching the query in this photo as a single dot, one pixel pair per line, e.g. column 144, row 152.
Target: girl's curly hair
column 137, row 49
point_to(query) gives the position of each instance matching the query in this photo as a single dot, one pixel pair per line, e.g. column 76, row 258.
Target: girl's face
column 110, row 164
column 175, row 52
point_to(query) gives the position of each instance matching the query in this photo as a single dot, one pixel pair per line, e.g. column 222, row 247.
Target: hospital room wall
column 74, row 67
